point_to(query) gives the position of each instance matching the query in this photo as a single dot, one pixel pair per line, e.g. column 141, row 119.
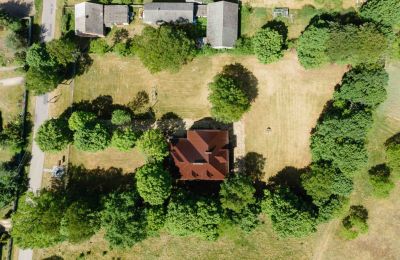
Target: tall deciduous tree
column 37, row 222
column 54, row 135
column 80, row 119
column 268, row 45
column 153, row 183
column 153, row 144
column 382, row 11
column 124, row 139
column 312, row 47
column 237, row 192
column 163, row 48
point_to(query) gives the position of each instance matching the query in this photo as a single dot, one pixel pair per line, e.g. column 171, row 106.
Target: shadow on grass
column 244, row 78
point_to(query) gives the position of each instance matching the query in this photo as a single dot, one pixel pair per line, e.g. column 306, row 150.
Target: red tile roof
column 202, row 155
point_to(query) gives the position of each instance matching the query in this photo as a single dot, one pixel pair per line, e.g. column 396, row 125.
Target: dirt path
column 323, row 244
column 12, row 82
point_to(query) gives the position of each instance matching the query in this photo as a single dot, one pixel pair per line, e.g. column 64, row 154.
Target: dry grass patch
column 294, row 4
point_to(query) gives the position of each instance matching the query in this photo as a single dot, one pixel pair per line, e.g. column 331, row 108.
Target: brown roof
column 202, row 155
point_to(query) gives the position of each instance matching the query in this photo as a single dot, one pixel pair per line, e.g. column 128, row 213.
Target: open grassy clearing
column 295, row 4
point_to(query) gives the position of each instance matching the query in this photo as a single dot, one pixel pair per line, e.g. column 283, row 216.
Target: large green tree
column 53, row 135
column 123, row 220
column 382, row 11
column 363, row 85
column 163, row 48
column 237, row 192
column 36, row 224
column 40, row 82
column 187, row 215
column 10, row 184
column 124, row 139
column 93, row 138
column 153, row 183
column 38, row 56
column 80, row 120
column 229, row 102
column 63, row 51
column 79, row 222
column 268, row 45
column 312, row 47
column 153, row 144
column 291, row 216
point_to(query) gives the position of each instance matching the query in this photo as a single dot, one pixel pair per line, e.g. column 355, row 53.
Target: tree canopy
column 53, row 135
column 153, row 144
column 124, row 139
column 120, row 117
column 382, row 11
column 37, row 222
column 237, row 192
column 80, row 120
column 153, row 183
column 163, row 48
column 93, row 138
column 355, row 223
column 10, row 183
column 380, row 180
column 268, row 45
column 122, row 219
column 312, row 47
column 229, row 102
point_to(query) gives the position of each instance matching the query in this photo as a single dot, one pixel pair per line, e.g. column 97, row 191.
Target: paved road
column 41, row 114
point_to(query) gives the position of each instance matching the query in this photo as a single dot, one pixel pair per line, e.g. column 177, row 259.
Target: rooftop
column 202, row 155
column 89, row 19
column 155, row 13
column 116, row 15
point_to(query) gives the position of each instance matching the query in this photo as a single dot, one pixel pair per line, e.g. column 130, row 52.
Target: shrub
column 80, row 120
column 153, row 144
column 164, row 48
column 11, row 137
column 268, row 45
column 312, row 47
column 98, row 46
column 92, row 139
column 379, row 178
column 153, row 183
column 237, row 192
column 120, row 117
column 53, row 135
column 393, row 155
column 355, row 223
column 229, row 102
column 124, row 139
column 155, row 219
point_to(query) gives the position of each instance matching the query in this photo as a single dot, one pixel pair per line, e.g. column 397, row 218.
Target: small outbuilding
column 116, row 15
column 89, row 20
column 222, row 24
column 161, row 12
column 280, row 12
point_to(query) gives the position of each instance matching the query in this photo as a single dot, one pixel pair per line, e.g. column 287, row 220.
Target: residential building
column 89, row 20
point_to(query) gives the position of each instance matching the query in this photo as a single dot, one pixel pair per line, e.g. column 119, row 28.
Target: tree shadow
column 359, row 211
column 140, row 102
column 380, row 170
column 244, row 78
column 395, row 139
column 53, row 257
column 278, row 26
column 171, row 125
column 290, row 177
column 252, row 165
column 16, row 8
column 83, row 64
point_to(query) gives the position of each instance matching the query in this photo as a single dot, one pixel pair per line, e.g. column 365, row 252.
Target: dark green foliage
column 153, row 183
column 379, row 178
column 124, row 139
column 79, row 222
column 323, row 181
column 188, row 215
column 10, row 183
column 248, row 218
column 268, row 45
column 229, row 101
column 153, row 144
column 122, row 49
column 93, row 138
column 291, row 216
column 364, row 86
column 98, row 46
column 53, row 135
column 80, row 120
column 163, row 48
column 40, row 82
column 382, row 11
column 244, row 46
column 341, row 140
column 155, row 219
column 351, row 44
column 37, row 222
column 11, row 136
column 331, row 208
column 237, row 192
column 312, row 47
column 120, row 117
column 67, row 21
column 123, row 220
column 355, row 223
column 63, row 51
column 393, row 155
column 38, row 57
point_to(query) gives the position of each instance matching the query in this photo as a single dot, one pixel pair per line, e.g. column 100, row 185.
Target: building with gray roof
column 116, row 15
column 89, row 20
column 157, row 13
column 222, row 24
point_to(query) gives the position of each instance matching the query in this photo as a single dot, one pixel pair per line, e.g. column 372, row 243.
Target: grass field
column 298, row 4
